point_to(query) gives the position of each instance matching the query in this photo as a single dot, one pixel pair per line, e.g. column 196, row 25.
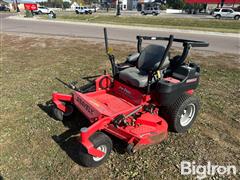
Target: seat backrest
column 150, row 57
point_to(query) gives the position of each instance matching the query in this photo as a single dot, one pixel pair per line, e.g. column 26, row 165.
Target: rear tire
column 100, row 141
column 181, row 115
column 218, row 16
column 237, row 17
column 77, row 12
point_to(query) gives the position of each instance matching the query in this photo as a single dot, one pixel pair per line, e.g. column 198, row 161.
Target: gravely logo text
column 125, row 92
column 85, row 105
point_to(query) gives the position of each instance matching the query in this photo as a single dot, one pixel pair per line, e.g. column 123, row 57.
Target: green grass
column 162, row 22
column 28, row 69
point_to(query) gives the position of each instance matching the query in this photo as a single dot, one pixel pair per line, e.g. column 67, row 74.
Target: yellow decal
column 110, row 50
column 158, row 74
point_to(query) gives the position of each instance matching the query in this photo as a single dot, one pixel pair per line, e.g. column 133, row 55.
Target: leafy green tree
column 79, row 2
column 89, row 2
column 175, row 4
column 66, row 4
column 55, row 3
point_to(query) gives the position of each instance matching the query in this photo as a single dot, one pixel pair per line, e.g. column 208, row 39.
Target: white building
column 128, row 4
column 74, row 5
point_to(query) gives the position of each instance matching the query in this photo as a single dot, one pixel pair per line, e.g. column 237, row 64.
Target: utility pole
column 222, row 3
column 118, row 8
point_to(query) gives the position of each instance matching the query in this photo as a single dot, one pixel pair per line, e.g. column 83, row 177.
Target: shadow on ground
column 69, row 140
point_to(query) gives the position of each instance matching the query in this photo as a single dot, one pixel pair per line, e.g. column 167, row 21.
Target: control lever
column 71, row 85
column 122, row 118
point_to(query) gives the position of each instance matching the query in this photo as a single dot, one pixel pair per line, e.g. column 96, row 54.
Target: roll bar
column 170, row 41
column 187, row 44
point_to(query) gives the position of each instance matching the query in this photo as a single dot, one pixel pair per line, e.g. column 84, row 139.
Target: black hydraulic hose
column 139, row 44
column 112, row 60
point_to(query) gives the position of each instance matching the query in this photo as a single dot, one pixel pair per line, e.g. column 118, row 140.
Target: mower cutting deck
column 142, row 99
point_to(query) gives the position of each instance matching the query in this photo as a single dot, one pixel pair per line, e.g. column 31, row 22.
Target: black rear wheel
column 181, row 115
column 100, row 141
column 218, row 16
column 237, row 17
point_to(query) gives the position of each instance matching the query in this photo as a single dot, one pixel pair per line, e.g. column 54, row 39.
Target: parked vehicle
column 94, row 8
column 236, row 9
column 43, row 10
column 151, row 10
column 226, row 13
column 212, row 11
column 83, row 10
column 4, row 8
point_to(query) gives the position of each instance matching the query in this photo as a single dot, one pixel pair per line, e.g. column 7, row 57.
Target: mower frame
column 126, row 112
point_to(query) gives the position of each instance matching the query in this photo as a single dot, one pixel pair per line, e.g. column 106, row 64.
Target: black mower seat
column 149, row 60
column 134, row 77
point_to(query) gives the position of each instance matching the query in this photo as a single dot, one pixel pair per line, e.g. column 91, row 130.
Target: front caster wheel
column 60, row 115
column 181, row 115
column 101, row 142
column 129, row 149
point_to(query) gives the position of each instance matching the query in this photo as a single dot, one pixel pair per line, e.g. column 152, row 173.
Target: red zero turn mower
column 145, row 97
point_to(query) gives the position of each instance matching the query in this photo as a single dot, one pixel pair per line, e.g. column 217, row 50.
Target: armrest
column 132, row 59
